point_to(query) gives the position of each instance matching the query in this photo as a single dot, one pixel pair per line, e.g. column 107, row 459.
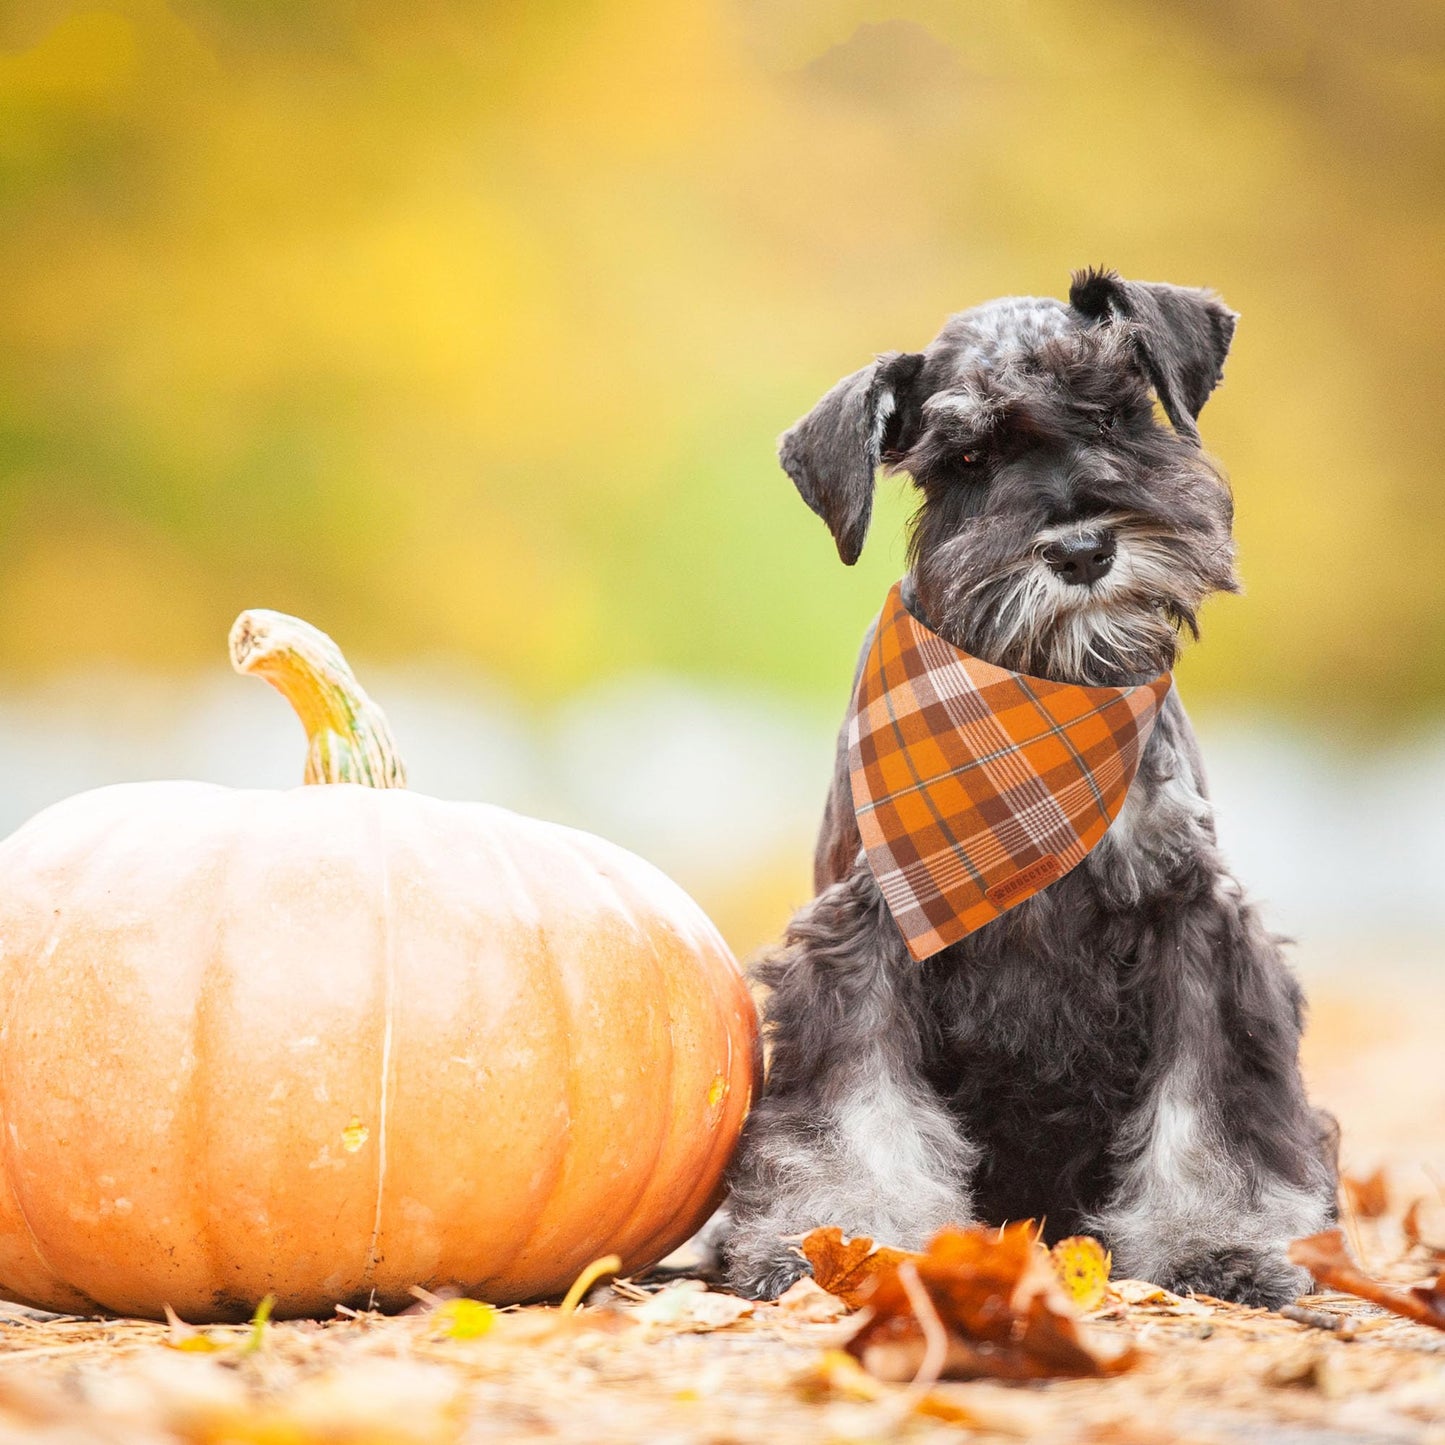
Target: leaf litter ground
column 677, row 1361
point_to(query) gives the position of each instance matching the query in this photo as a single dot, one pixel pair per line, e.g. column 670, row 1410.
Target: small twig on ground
column 629, row 1290
column 935, row 1337
column 1341, row 1325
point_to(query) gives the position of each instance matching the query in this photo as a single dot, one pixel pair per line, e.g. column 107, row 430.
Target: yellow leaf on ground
column 465, row 1319
column 1082, row 1265
column 181, row 1336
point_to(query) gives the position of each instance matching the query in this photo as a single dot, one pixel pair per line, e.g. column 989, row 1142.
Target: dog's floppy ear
column 832, row 453
column 1183, row 335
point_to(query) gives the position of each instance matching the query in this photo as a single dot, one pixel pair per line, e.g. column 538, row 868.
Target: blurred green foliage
column 466, row 328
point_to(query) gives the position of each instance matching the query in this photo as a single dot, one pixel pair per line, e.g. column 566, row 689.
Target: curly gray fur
column 1119, row 1054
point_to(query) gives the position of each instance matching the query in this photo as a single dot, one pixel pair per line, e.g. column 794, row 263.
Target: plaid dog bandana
column 976, row 787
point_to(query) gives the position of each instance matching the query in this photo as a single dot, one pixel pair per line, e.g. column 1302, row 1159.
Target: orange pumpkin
column 333, row 1043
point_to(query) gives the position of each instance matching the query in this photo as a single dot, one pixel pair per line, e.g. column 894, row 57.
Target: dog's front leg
column 848, row 1131
column 1224, row 1162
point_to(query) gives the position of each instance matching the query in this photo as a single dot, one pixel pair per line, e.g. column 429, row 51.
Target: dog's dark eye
column 972, row 458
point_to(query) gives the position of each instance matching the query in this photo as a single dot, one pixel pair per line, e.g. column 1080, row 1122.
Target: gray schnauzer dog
column 1118, row 1054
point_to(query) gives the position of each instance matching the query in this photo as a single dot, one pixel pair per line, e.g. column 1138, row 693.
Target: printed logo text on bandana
column 976, row 787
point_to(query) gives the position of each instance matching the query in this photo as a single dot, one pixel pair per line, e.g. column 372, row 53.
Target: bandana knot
column 976, row 787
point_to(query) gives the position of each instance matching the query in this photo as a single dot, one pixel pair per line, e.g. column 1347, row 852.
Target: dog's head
column 1064, row 530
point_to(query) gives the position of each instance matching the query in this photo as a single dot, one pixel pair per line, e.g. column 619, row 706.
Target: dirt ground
column 688, row 1365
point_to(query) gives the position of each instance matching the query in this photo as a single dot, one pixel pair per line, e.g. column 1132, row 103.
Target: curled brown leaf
column 1414, row 1232
column 1328, row 1259
column 848, row 1268
column 995, row 1294
column 1367, row 1195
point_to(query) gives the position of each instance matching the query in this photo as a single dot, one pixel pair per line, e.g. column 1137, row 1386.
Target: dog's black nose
column 1081, row 560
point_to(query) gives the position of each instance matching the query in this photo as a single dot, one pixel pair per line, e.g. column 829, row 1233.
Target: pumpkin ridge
column 621, row 890
column 98, row 844
column 547, row 970
column 703, row 1199
column 212, row 980
column 388, row 954
column 8, row 1142
column 724, row 1138
column 663, row 982
column 720, row 1136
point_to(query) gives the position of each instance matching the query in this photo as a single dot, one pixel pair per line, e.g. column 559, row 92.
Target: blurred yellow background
column 465, row 330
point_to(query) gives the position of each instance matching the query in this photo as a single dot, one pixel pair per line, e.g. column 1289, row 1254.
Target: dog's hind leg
column 848, row 1131
column 1223, row 1162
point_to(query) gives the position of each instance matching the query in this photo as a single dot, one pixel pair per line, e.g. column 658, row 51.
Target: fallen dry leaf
column 391, row 1402
column 181, row 1336
column 195, row 1397
column 1306, row 1367
column 835, row 1374
column 190, row 1340
column 1414, row 1237
column 1082, row 1265
column 1141, row 1293
column 977, row 1302
column 464, row 1319
column 849, row 1268
column 540, row 1324
column 1327, row 1258
column 808, row 1301
column 690, row 1306
column 1368, row 1197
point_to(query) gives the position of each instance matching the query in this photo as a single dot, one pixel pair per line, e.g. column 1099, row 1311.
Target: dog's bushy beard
column 989, row 591
column 1064, row 442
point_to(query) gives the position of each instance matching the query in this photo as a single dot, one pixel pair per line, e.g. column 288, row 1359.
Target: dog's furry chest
column 1043, row 1017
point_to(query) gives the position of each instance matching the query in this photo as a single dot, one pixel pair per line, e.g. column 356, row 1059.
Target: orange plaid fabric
column 976, row 787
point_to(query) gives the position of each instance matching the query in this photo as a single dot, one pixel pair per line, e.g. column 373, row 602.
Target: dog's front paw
column 765, row 1270
column 1242, row 1274
column 772, row 1283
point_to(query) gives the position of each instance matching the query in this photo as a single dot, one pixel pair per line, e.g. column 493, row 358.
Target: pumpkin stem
column 348, row 739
